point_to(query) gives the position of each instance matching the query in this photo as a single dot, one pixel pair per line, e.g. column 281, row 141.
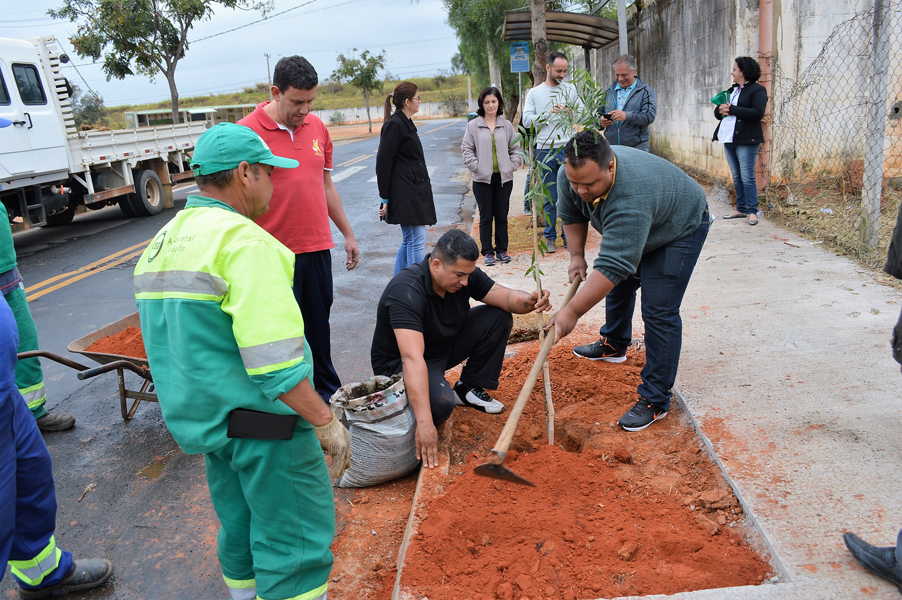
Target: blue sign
column 520, row 57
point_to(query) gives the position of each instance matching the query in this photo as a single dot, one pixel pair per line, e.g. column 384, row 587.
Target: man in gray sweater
column 653, row 220
column 549, row 108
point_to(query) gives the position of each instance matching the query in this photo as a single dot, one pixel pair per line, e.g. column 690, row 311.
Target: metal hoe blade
column 501, row 472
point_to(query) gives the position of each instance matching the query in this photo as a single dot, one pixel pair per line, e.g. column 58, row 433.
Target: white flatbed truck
column 48, row 168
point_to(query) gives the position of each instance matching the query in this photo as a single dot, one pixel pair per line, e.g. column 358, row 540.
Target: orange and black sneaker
column 641, row 415
column 600, row 350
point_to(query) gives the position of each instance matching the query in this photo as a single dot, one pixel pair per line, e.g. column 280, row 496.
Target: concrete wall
column 686, row 52
column 351, row 116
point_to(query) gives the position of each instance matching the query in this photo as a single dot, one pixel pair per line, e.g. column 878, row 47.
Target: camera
column 607, row 116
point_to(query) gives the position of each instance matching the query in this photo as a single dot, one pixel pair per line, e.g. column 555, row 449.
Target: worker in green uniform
column 29, row 376
column 225, row 342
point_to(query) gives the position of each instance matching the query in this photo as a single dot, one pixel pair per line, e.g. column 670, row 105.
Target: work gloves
column 336, row 440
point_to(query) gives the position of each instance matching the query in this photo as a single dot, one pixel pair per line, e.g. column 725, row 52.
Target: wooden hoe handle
column 507, row 434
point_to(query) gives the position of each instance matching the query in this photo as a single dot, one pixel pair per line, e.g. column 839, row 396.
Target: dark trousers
column 493, row 200
column 313, row 292
column 663, row 276
column 482, row 342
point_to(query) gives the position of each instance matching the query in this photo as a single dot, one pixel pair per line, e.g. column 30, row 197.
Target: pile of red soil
column 127, row 342
column 613, row 513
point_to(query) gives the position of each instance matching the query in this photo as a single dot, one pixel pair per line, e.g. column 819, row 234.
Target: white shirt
column 539, row 102
column 728, row 124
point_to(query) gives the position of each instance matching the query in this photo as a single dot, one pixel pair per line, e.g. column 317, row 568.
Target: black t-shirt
column 410, row 302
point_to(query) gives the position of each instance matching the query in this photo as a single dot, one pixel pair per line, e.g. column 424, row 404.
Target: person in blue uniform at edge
column 27, row 494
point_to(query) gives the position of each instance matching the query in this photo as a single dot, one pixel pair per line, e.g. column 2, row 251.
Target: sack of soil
column 383, row 430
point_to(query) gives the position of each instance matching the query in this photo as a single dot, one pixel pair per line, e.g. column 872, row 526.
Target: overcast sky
column 414, row 35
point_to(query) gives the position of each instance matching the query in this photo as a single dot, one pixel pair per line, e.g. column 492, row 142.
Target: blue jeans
column 663, row 275
column 413, row 246
column 549, row 177
column 741, row 158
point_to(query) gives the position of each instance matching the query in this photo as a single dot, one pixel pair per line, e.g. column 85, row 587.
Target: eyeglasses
column 416, row 98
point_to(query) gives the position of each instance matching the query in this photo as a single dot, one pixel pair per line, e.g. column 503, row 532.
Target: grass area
column 329, row 96
column 828, row 210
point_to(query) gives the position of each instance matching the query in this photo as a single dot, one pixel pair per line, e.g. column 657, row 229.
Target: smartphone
column 381, row 218
column 607, row 116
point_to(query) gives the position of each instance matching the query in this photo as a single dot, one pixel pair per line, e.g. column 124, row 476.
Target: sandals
column 753, row 219
column 735, row 216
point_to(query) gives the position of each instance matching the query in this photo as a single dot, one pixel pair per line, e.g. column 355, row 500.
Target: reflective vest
column 221, row 326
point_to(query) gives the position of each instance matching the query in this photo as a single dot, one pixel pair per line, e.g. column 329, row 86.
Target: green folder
column 722, row 98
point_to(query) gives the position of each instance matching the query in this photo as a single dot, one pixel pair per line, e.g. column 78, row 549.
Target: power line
column 266, row 18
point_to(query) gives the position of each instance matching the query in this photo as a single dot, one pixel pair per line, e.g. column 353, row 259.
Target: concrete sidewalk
column 787, row 370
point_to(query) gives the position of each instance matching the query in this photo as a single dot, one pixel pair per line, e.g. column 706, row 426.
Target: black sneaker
column 490, row 260
column 640, row 416
column 477, row 398
column 600, row 350
column 503, row 257
column 86, row 573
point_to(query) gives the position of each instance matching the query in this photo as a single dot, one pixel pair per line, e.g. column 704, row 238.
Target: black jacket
column 402, row 175
column 894, row 268
column 748, row 110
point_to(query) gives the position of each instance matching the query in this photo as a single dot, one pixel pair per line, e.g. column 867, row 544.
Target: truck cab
column 33, row 149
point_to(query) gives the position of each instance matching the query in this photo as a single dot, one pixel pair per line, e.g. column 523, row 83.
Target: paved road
column 150, row 510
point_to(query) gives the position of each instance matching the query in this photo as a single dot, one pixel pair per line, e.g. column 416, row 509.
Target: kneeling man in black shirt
column 425, row 326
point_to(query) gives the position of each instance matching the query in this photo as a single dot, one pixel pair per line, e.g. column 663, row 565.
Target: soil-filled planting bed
column 612, row 514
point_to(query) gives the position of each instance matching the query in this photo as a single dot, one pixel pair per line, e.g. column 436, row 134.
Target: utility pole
column 875, row 136
column 268, row 72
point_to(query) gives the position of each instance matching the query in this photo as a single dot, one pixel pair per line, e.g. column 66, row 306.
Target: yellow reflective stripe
column 194, row 283
column 241, row 589
column 239, row 584
column 34, row 395
column 272, row 368
column 32, row 572
column 265, row 355
column 317, row 594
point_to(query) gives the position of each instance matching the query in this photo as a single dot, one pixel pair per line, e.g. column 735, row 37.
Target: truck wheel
column 148, row 197
column 125, row 203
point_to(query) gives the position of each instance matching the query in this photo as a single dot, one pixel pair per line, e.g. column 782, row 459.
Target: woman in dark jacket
column 740, row 131
column 401, row 173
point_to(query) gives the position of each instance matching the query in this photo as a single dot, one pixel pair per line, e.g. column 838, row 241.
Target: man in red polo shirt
column 303, row 201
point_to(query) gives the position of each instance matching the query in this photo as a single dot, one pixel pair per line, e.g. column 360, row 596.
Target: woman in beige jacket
column 491, row 151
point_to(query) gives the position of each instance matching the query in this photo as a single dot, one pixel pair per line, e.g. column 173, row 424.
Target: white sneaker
column 476, row 398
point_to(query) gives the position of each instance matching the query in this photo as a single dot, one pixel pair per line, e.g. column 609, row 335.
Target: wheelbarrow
column 108, row 362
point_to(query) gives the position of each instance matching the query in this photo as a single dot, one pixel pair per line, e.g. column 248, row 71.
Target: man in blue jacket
column 630, row 107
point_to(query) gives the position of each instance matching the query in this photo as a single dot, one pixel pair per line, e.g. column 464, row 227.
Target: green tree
column 87, row 109
column 144, row 37
column 362, row 73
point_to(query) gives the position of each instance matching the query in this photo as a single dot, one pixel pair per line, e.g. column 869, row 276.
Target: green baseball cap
column 224, row 146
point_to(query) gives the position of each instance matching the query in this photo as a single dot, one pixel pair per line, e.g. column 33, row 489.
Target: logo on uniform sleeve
column 316, row 149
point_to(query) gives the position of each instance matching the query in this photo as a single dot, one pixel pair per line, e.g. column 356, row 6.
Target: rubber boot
column 54, row 422
column 882, row 562
column 86, row 574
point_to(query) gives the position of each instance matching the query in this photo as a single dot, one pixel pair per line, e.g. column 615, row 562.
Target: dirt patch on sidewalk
column 613, row 513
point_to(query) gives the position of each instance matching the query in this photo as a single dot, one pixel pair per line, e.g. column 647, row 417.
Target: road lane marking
column 88, row 267
column 437, row 128
column 348, row 163
column 347, row 173
column 84, row 274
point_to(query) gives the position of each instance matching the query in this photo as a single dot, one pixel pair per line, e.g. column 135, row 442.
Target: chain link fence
column 836, row 136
